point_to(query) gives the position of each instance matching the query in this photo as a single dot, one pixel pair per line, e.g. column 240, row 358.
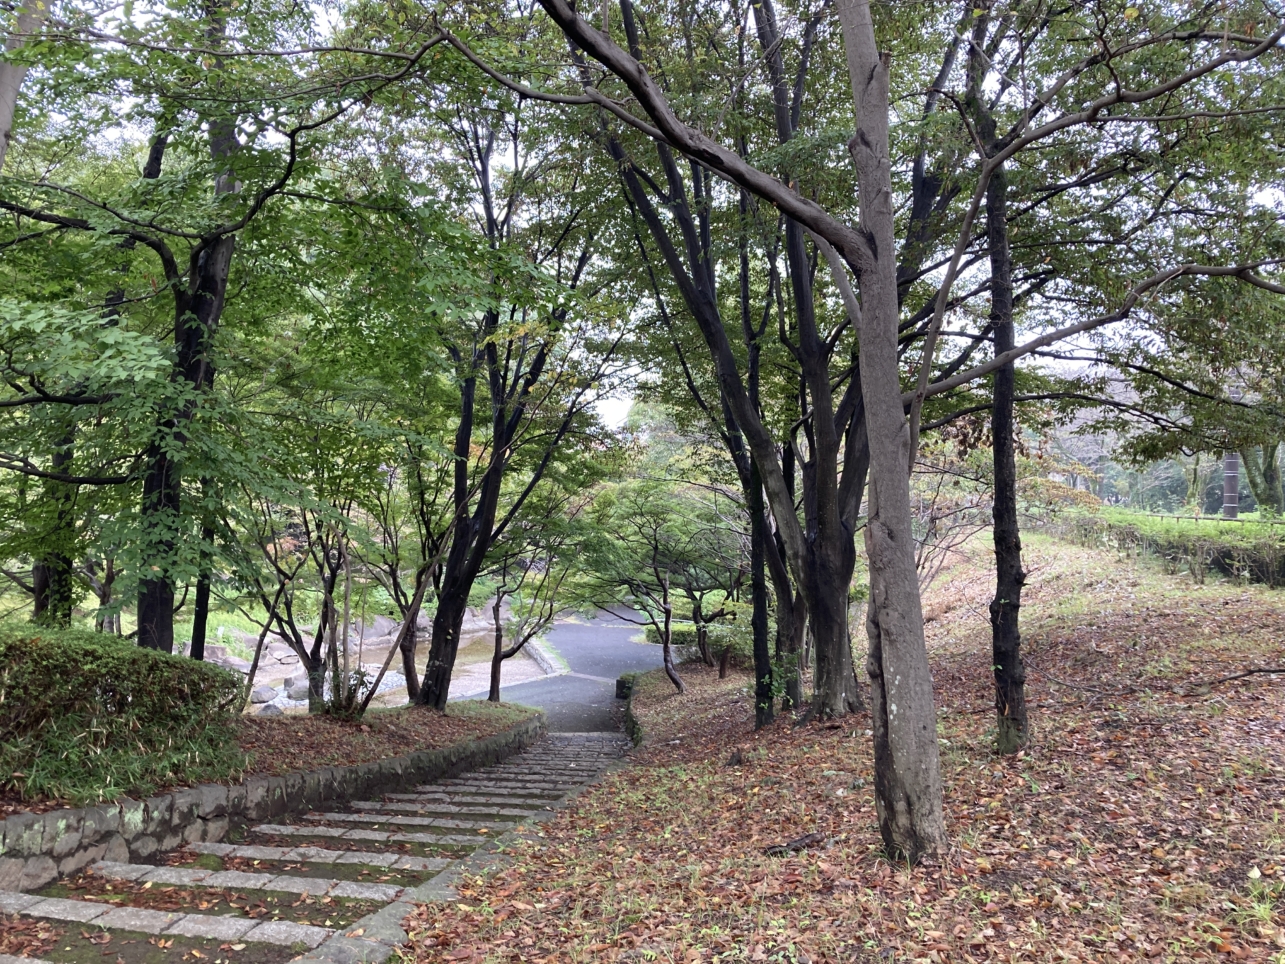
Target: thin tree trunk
column 764, row 710
column 498, row 658
column 51, row 577
column 666, row 636
column 201, row 608
column 1012, row 725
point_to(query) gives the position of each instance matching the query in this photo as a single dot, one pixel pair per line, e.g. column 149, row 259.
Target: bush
column 1251, row 550
column 735, row 633
column 86, row 717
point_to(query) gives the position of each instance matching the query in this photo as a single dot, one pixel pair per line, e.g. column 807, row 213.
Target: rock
column 296, row 690
column 232, row 662
column 270, row 709
column 263, row 694
column 215, row 653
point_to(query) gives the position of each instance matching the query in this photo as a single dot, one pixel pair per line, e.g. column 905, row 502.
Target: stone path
column 376, row 859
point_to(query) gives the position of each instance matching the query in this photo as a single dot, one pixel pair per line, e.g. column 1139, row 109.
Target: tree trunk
column 447, row 623
column 409, row 646
column 28, row 20
column 908, row 789
column 764, row 711
column 201, row 608
column 1262, row 472
column 666, row 636
column 497, row 658
column 51, row 577
column 1012, row 729
column 702, row 633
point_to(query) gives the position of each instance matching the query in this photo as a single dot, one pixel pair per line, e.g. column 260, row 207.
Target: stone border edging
column 37, row 848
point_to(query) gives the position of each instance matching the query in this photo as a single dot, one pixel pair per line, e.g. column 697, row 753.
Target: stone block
column 65, row 844
column 312, row 789
column 185, row 809
column 62, row 832
column 287, row 884
column 13, row 903
column 214, row 800
column 38, row 872
column 24, row 834
column 236, row 801
column 348, row 950
column 368, row 858
column 55, row 908
column 276, row 796
column 258, row 799
column 194, row 832
column 236, row 878
column 216, row 828
column 11, row 872
column 144, row 845
column 99, row 822
column 160, row 812
column 176, row 875
column 263, row 853
column 138, row 919
column 294, row 792
column 132, row 818
column 287, row 933
column 169, row 841
column 80, row 859
column 117, row 849
column 364, row 891
column 217, row 928
column 217, row 849
column 118, row 871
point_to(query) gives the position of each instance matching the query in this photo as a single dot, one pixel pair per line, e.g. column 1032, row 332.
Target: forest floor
column 1145, row 821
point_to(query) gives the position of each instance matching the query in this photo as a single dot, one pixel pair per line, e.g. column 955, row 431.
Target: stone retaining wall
column 37, row 848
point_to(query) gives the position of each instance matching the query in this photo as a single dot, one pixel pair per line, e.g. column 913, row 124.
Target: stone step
column 406, row 820
column 417, row 806
column 163, row 923
column 319, row 855
column 489, row 786
column 465, row 794
column 358, row 833
column 241, row 880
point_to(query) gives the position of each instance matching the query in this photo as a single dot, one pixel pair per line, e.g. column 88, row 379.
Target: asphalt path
column 597, row 651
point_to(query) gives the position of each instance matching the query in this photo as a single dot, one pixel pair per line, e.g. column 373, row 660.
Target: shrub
column 736, row 633
column 86, row 717
column 1251, row 550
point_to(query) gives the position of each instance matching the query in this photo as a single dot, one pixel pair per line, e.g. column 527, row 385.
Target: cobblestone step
column 454, row 817
column 320, row 855
column 163, row 923
column 243, row 880
column 376, row 819
column 422, row 807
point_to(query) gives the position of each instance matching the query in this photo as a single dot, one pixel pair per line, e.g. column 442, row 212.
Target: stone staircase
column 328, row 887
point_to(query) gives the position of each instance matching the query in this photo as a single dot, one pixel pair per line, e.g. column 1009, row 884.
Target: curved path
column 596, row 651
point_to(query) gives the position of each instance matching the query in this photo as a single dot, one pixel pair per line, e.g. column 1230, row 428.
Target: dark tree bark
column 201, row 607
column 1012, row 727
column 764, row 710
column 52, row 581
column 197, row 311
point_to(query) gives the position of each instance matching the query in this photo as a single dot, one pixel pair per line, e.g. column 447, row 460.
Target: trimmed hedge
column 1251, row 550
column 86, row 717
column 737, row 634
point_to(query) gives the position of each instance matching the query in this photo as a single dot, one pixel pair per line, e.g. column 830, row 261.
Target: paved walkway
column 596, row 652
column 376, row 857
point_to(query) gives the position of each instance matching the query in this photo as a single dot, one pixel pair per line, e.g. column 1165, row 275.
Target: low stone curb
column 37, row 848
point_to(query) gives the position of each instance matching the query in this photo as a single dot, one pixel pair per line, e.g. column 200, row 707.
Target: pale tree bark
column 27, row 21
column 907, row 771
